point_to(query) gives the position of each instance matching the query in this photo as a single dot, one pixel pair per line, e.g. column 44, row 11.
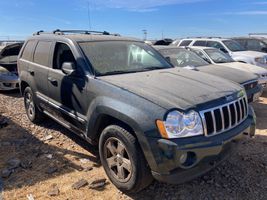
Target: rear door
column 67, row 93
column 40, row 67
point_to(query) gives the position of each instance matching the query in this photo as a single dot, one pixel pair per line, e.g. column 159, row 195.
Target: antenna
column 89, row 15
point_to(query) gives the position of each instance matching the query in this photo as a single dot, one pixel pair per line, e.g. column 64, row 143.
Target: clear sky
column 170, row 18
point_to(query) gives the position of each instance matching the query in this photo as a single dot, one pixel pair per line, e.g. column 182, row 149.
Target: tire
column 32, row 111
column 123, row 160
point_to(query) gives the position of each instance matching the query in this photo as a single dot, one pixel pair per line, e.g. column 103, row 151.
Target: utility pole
column 89, row 15
column 145, row 34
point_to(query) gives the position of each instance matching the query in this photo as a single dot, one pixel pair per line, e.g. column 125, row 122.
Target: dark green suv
column 148, row 118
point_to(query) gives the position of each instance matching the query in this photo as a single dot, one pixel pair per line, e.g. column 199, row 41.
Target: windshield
column 233, row 45
column 183, row 58
column 117, row 57
column 218, row 56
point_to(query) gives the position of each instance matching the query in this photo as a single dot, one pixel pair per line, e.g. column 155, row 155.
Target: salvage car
column 229, row 46
column 148, row 118
column 9, row 79
column 217, row 57
column 182, row 57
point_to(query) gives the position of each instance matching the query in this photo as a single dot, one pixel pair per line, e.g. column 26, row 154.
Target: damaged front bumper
column 181, row 160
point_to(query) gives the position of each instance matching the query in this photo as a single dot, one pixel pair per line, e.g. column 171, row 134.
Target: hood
column 228, row 73
column 245, row 67
column 251, row 54
column 175, row 87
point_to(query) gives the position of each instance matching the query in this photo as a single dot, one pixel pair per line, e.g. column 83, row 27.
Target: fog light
column 183, row 158
column 188, row 159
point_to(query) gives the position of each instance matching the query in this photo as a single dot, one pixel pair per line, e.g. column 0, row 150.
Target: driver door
column 67, row 93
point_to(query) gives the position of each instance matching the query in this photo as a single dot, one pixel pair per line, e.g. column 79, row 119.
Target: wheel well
column 23, row 86
column 105, row 120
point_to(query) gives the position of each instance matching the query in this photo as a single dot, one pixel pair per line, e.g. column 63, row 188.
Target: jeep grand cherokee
column 148, row 118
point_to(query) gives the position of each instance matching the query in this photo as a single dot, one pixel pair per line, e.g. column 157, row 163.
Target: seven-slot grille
column 222, row 118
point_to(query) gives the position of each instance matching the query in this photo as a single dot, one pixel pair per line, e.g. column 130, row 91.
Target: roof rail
column 209, row 37
column 58, row 31
column 62, row 32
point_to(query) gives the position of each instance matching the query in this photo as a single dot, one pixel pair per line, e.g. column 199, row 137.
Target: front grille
column 225, row 117
column 251, row 85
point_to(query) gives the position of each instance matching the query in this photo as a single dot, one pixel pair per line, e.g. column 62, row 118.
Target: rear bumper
column 182, row 160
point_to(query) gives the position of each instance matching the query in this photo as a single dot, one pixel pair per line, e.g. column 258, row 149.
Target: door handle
column 52, row 80
column 31, row 71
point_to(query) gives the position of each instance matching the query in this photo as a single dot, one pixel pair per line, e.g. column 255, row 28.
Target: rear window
column 185, row 43
column 27, row 52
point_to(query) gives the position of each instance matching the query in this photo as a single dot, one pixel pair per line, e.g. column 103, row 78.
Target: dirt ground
column 49, row 154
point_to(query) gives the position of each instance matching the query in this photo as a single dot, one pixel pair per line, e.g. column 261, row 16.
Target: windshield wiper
column 152, row 68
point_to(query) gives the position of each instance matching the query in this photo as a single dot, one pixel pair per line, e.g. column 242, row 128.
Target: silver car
column 9, row 79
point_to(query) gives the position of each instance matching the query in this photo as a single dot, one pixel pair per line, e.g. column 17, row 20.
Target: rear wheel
column 33, row 112
column 123, row 160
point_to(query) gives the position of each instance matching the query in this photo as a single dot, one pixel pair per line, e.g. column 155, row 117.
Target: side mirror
column 68, row 68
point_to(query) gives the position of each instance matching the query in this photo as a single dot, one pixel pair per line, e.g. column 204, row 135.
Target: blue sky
column 170, row 18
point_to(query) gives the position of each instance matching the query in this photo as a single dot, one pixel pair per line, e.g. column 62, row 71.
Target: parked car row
column 164, row 112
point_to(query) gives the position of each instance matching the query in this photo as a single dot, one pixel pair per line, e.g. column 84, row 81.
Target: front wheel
column 123, row 160
column 33, row 112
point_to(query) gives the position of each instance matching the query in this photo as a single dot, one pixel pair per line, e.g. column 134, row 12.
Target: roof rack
column 209, row 37
column 62, row 32
column 257, row 34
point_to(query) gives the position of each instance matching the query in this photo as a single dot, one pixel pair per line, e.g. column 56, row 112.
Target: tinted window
column 185, row 43
column 41, row 54
column 200, row 43
column 27, row 52
column 117, row 57
column 62, row 54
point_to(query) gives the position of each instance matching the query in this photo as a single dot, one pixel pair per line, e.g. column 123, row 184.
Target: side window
column 253, row 45
column 216, row 45
column 185, row 43
column 200, row 43
column 41, row 54
column 242, row 42
column 62, row 54
column 27, row 52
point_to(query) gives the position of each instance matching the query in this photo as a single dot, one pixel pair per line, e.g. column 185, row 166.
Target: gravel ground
column 43, row 162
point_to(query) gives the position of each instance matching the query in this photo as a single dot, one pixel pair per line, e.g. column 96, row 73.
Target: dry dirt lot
column 49, row 157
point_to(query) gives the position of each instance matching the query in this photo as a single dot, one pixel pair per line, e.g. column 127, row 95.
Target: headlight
column 261, row 60
column 180, row 125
